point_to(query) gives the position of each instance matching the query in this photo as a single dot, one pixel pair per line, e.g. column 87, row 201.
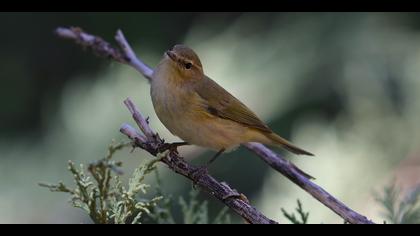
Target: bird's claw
column 168, row 146
column 172, row 147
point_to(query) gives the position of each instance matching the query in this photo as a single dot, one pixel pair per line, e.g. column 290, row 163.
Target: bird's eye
column 188, row 65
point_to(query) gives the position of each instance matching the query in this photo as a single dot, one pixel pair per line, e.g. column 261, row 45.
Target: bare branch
column 300, row 178
column 141, row 122
column 134, row 61
column 132, row 133
column 102, row 48
column 208, row 183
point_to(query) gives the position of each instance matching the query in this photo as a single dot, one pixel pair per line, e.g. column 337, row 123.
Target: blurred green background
column 344, row 86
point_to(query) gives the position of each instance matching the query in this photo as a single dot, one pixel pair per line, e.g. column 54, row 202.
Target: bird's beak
column 171, row 55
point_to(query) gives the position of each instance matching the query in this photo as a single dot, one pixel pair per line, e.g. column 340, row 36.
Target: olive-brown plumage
column 201, row 112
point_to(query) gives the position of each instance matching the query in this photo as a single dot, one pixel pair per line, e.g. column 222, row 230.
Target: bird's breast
column 173, row 104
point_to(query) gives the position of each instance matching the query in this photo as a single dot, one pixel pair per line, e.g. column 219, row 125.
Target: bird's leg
column 172, row 147
column 215, row 157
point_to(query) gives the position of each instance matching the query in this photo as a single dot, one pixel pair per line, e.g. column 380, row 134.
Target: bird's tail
column 279, row 141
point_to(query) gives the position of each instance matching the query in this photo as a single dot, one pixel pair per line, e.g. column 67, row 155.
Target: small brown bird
column 199, row 111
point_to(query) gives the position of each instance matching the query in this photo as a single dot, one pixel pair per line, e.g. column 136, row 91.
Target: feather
column 226, row 106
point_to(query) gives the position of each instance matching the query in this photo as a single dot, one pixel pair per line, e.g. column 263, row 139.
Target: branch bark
column 276, row 161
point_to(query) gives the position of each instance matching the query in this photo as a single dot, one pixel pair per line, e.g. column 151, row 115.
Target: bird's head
column 184, row 62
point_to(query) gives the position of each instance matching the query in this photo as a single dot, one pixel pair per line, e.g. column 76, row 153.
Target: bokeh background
column 344, row 86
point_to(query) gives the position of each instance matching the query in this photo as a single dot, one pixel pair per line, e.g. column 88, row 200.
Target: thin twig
column 141, row 122
column 105, row 49
column 276, row 161
column 131, row 57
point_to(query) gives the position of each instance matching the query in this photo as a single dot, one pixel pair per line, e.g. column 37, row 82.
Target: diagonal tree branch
column 277, row 162
column 102, row 48
column 300, row 178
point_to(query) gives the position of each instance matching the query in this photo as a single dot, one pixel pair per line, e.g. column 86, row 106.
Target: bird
column 199, row 111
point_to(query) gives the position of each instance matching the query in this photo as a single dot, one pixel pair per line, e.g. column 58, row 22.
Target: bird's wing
column 221, row 103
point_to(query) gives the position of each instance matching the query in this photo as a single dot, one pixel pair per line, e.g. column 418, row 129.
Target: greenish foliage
column 302, row 215
column 197, row 213
column 102, row 194
column 400, row 209
column 193, row 211
column 104, row 197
